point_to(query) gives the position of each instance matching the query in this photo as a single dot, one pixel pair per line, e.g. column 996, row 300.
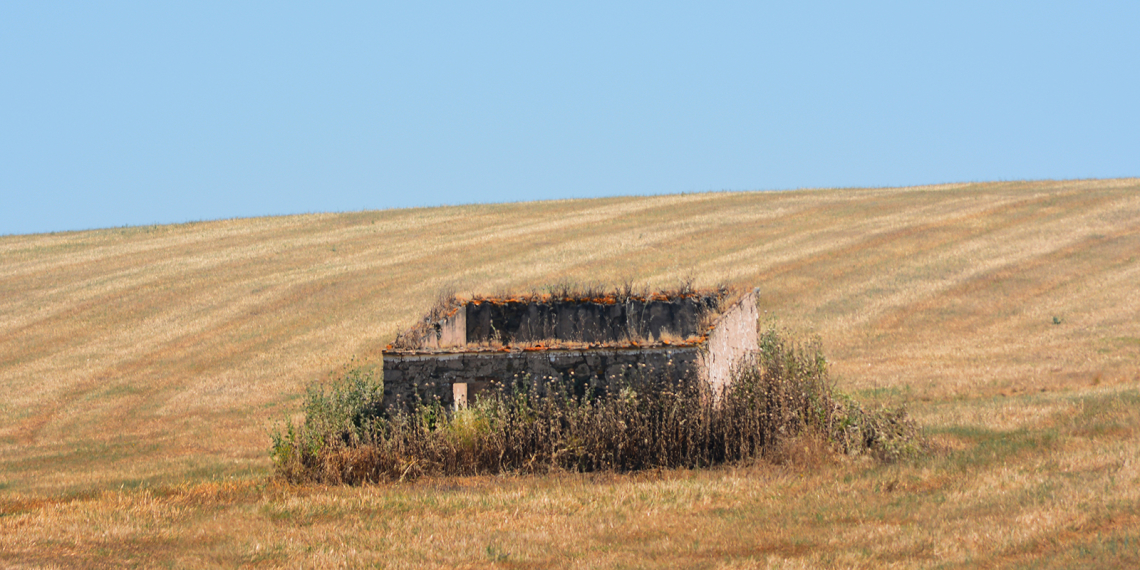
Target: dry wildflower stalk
column 648, row 423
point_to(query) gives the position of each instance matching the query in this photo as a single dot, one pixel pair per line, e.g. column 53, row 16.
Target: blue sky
column 157, row 112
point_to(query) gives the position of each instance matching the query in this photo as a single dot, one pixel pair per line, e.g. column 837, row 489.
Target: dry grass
column 140, row 369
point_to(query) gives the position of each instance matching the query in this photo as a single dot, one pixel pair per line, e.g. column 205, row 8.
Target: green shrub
column 340, row 413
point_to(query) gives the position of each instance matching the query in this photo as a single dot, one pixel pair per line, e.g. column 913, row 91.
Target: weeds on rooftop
column 709, row 303
column 780, row 395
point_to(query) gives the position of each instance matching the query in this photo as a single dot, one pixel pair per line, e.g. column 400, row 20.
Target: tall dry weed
column 779, row 395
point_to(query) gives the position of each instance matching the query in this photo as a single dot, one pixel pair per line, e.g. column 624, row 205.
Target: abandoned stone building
column 467, row 347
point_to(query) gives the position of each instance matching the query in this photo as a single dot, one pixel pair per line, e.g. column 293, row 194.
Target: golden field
column 142, row 368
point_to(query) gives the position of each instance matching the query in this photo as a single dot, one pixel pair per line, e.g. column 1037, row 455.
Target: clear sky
column 116, row 113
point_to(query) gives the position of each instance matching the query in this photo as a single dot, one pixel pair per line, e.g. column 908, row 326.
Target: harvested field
column 141, row 369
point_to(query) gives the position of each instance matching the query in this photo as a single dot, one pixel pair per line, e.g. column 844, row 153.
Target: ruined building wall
column 433, row 376
column 735, row 335
column 458, row 354
column 584, row 321
column 448, row 332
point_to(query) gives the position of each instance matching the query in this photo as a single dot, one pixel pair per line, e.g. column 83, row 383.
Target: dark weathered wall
column 432, row 375
column 578, row 370
column 583, row 321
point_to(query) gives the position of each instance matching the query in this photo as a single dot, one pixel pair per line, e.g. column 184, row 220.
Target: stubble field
column 141, row 369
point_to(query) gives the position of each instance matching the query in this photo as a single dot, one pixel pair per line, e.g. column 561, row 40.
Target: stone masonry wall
column 584, row 321
column 433, row 375
column 439, row 374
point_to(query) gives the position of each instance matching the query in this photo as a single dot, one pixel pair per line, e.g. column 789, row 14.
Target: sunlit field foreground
column 142, row 369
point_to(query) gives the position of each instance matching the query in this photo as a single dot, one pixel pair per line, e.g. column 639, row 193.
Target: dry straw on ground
column 140, row 369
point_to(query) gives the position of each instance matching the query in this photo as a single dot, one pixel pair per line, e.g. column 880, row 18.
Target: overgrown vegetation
column 780, row 395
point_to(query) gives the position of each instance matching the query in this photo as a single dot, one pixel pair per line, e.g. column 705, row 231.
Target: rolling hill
column 144, row 360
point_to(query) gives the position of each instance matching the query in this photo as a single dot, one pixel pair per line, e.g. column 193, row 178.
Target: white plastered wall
column 734, row 337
